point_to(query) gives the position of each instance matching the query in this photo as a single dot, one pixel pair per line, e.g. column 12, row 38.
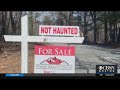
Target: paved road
column 88, row 56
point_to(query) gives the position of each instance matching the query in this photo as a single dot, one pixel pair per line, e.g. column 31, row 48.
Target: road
column 88, row 56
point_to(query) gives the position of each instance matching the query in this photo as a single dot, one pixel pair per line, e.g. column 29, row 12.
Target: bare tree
column 94, row 18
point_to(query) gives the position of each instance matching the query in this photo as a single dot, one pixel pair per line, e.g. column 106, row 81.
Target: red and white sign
column 54, row 59
column 59, row 30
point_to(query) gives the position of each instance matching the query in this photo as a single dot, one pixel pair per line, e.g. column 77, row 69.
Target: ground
column 10, row 61
column 87, row 57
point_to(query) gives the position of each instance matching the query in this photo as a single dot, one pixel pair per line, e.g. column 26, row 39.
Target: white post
column 24, row 44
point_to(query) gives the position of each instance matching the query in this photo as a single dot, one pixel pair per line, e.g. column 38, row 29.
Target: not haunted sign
column 59, row 30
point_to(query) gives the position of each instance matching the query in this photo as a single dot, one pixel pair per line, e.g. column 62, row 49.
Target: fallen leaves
column 10, row 61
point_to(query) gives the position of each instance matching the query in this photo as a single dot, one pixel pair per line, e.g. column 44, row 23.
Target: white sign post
column 24, row 38
column 24, row 43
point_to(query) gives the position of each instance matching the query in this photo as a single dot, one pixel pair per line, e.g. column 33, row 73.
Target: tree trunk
column 95, row 32
column 110, row 32
column 119, row 36
column 12, row 23
column 2, row 31
column 106, row 30
column 114, row 34
column 85, row 24
column 71, row 18
column 3, row 23
column 93, row 14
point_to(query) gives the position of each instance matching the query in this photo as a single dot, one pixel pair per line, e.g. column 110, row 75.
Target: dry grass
column 10, row 61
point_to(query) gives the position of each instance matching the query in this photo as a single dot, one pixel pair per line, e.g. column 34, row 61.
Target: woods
column 98, row 27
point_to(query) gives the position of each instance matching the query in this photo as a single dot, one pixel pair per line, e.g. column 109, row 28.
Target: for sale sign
column 54, row 59
column 59, row 30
